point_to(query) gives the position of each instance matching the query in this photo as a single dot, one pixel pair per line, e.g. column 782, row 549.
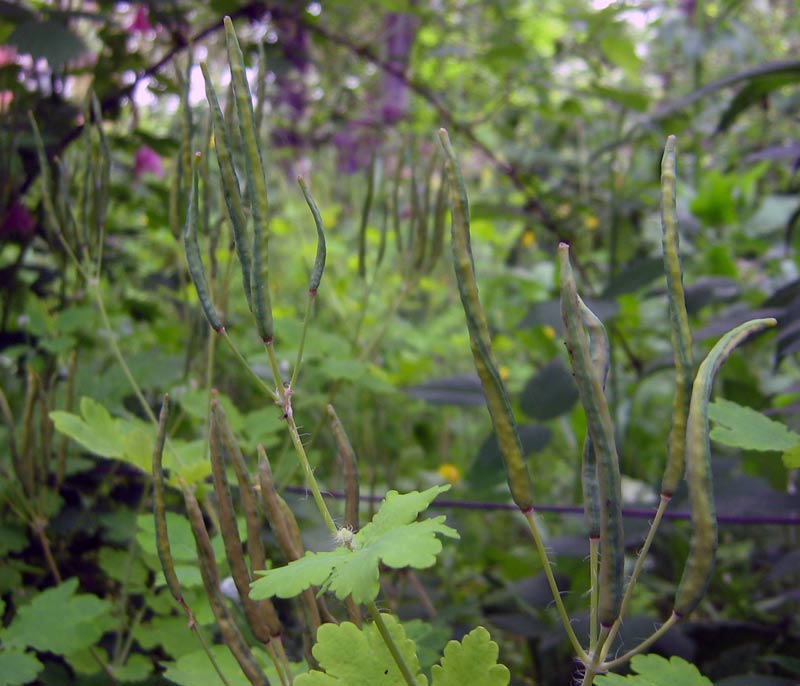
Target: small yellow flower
column 528, row 239
column 563, row 210
column 549, row 331
column 449, row 472
column 591, row 222
column 504, row 372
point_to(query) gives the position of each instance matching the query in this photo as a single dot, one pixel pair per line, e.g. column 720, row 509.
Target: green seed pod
column 225, row 623
column 598, row 340
column 45, row 180
column 193, row 257
column 159, row 506
column 365, row 210
column 679, row 330
column 103, row 182
column 230, row 184
column 347, row 458
column 438, row 223
column 230, row 532
column 276, row 513
column 703, row 542
column 256, row 186
column 319, row 259
column 395, row 201
column 28, row 475
column 601, row 431
column 505, row 426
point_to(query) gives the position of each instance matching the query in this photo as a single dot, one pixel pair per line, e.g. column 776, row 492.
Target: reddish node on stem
column 594, row 538
column 563, row 244
column 312, row 292
column 220, row 329
column 526, row 510
column 267, row 340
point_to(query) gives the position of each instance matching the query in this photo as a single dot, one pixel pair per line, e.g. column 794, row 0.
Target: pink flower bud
column 141, row 22
column 147, row 161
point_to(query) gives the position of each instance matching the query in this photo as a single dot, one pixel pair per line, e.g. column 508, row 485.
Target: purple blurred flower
column 141, row 22
column 399, row 31
column 18, row 224
column 147, row 161
column 355, row 145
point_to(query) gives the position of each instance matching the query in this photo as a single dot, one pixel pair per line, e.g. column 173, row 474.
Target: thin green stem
column 551, row 580
column 594, row 548
column 637, row 570
column 273, row 655
column 241, row 359
column 306, row 319
column 658, row 633
column 312, row 481
column 98, row 298
column 280, row 391
column 390, row 644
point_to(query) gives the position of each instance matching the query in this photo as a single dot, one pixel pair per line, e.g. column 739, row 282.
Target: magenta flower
column 141, row 22
column 8, row 55
column 147, row 161
column 18, row 224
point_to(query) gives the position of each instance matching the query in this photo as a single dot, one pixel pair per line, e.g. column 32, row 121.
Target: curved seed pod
column 598, row 340
column 255, row 548
column 208, row 570
column 347, row 456
column 505, row 426
column 319, row 259
column 703, row 543
column 365, row 210
column 173, row 209
column 601, row 430
column 256, row 186
column 679, row 320
column 193, row 257
column 159, row 506
column 230, row 184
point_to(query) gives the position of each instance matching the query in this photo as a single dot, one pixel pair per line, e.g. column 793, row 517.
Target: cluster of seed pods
column 688, row 451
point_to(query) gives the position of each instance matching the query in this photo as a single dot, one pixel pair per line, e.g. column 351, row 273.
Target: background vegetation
column 559, row 110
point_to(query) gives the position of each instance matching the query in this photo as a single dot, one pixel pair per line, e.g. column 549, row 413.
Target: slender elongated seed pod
column 186, row 123
column 600, row 352
column 601, row 430
column 255, row 547
column 439, row 207
column 230, row 184
column 398, row 174
column 424, row 215
column 413, row 217
column 45, row 179
column 680, row 333
column 703, row 542
column 275, row 512
column 225, row 623
column 384, row 229
column 159, row 506
column 319, row 259
column 28, row 476
column 193, row 257
column 347, row 457
column 230, row 533
column 103, row 179
column 256, row 187
column 8, row 418
column 505, row 426
column 88, row 164
column 365, row 210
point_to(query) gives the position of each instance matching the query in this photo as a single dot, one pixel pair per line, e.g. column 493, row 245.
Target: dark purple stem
column 632, row 512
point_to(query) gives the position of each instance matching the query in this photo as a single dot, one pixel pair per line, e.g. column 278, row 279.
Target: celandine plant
column 357, row 652
column 587, row 344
